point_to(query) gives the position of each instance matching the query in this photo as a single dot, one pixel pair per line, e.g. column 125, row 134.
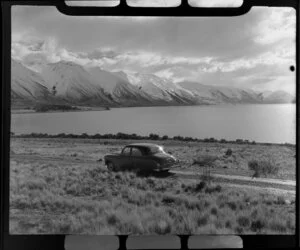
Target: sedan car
column 141, row 156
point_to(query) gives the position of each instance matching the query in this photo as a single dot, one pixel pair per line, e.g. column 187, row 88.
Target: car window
column 155, row 150
column 136, row 152
column 126, row 151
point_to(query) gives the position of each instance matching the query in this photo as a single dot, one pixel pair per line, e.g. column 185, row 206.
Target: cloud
column 31, row 49
column 167, row 73
column 179, row 73
column 181, row 36
column 280, row 25
column 277, row 57
column 99, row 53
column 253, row 50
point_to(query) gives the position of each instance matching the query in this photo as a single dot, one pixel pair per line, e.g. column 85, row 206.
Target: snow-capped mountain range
column 69, row 83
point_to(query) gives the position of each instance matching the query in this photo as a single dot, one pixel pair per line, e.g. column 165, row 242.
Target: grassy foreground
column 63, row 197
column 235, row 163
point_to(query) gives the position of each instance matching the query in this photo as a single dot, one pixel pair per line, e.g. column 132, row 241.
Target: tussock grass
column 76, row 198
column 186, row 152
column 81, row 200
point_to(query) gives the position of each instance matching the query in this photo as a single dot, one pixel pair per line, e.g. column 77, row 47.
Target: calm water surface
column 262, row 123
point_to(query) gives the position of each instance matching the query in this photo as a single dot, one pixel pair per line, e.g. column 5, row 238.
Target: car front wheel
column 111, row 166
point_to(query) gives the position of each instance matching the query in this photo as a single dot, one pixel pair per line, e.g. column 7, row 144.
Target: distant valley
column 67, row 83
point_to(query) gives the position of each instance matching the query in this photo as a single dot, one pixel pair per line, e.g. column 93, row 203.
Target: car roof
column 143, row 145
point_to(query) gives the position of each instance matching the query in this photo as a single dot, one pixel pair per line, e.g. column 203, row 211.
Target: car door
column 140, row 160
column 125, row 161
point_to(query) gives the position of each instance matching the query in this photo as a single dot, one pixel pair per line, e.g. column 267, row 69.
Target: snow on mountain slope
column 277, row 97
column 72, row 82
column 202, row 92
column 26, row 85
column 218, row 94
column 149, row 85
column 116, row 85
column 235, row 95
column 105, row 79
column 68, row 82
column 160, row 89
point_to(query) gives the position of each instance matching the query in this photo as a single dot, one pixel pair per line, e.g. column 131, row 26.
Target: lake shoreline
column 258, row 123
column 82, row 109
column 151, row 138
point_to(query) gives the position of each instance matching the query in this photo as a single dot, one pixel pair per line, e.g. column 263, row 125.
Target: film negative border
column 57, row 241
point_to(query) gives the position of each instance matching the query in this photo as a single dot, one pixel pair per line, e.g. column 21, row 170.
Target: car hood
column 112, row 154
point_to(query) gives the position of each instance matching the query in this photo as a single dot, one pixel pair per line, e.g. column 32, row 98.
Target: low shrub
column 263, row 167
column 228, row 224
column 213, row 189
column 162, row 227
column 232, row 205
column 257, row 225
column 239, row 230
column 205, row 160
column 228, row 152
column 243, row 221
column 112, row 219
column 200, row 186
column 203, row 220
column 278, row 226
column 206, row 176
column 168, row 200
column 214, row 211
column 280, row 200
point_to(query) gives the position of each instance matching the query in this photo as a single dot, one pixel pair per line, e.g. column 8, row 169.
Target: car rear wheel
column 111, row 166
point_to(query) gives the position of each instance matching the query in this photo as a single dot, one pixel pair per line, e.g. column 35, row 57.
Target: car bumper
column 166, row 167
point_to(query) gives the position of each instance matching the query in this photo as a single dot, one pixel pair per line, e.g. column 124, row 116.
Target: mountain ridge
column 70, row 83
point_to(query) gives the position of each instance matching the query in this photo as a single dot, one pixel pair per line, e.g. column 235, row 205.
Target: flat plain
column 61, row 186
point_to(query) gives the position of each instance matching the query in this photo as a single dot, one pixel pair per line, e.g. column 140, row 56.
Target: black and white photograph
column 152, row 125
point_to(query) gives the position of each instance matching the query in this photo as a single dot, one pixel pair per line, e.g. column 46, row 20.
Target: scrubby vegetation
column 59, row 185
column 263, row 167
column 77, row 199
column 151, row 136
column 188, row 153
column 205, row 160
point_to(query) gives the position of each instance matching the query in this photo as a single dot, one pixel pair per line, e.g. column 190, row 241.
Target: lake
column 273, row 123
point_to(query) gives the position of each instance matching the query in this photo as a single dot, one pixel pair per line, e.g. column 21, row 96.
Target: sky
column 253, row 51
